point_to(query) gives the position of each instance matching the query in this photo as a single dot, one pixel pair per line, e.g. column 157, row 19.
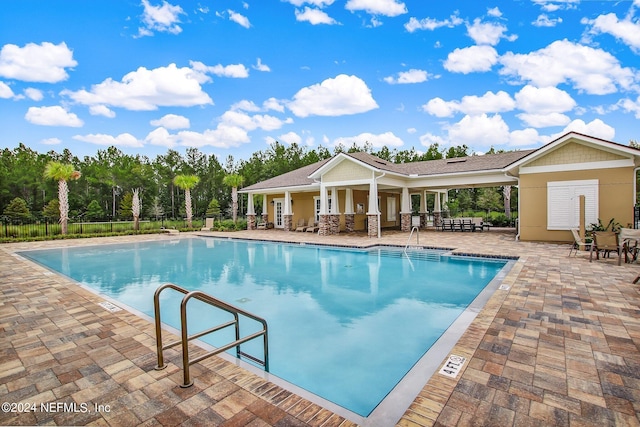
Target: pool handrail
column 417, row 230
column 185, row 338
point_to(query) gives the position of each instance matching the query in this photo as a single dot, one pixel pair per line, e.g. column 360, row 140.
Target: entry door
column 278, row 206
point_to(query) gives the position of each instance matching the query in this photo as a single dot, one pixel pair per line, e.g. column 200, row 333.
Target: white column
column 348, row 201
column 287, row 204
column 250, row 210
column 373, row 197
column 423, row 201
column 436, row 207
column 405, row 203
column 323, row 201
column 335, row 208
column 445, row 198
column 264, row 203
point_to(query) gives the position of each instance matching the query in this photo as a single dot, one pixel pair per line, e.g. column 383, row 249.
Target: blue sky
column 230, row 76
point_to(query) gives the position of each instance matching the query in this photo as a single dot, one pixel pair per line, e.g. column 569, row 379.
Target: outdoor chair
column 578, row 243
column 312, row 227
column 466, row 224
column 605, row 242
column 208, row 224
column 629, row 239
column 301, row 225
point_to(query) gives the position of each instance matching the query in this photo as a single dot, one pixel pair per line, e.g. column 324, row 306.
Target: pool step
column 411, row 252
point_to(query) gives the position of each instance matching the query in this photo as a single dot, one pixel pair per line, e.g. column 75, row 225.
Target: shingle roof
column 300, row 177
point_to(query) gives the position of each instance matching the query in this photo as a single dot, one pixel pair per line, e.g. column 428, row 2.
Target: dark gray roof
column 298, row 177
column 487, row 162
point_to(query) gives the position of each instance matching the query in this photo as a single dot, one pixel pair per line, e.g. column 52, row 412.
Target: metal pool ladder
column 185, row 338
column 414, row 228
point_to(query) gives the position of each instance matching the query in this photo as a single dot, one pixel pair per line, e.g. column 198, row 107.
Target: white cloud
column 51, row 141
column 163, row 18
column 273, row 104
column 485, row 33
column 145, row 90
column 318, row 3
column 473, row 105
column 625, row 30
column 290, row 138
column 525, row 138
column 314, row 16
column 428, row 139
column 52, row 116
column 471, row 59
column 593, row 71
column 237, row 71
column 339, row 96
column 495, row 12
column 122, row 140
column 387, row 139
column 377, row 7
column 239, row 19
column 261, row 67
column 5, row 91
column 596, row 128
column 480, row 131
column 101, row 110
column 544, row 21
column 544, row 120
column 431, row 24
column 412, row 130
column 45, row 63
column 406, row 77
column 172, row 121
column 544, row 100
column 630, row 106
column 245, row 121
column 553, row 5
column 33, row 94
column 222, row 137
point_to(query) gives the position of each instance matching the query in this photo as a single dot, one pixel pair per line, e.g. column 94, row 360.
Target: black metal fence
column 12, row 229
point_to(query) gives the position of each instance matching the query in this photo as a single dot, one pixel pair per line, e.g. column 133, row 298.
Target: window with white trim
column 316, row 203
column 391, row 208
column 563, row 203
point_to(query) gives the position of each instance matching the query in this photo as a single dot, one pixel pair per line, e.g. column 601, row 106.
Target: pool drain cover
column 243, row 300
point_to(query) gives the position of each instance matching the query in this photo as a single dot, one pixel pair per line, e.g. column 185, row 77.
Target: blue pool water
column 345, row 324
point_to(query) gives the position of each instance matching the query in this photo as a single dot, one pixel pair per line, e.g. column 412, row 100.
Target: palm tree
column 62, row 173
column 187, row 182
column 234, row 181
column 135, row 209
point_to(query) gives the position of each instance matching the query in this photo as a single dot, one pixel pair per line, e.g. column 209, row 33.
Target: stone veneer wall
column 349, row 222
column 265, row 217
column 288, row 222
column 324, row 225
column 437, row 216
column 423, row 219
column 373, row 225
column 405, row 221
column 251, row 222
column 335, row 224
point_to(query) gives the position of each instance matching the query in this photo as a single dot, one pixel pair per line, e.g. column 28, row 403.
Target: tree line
column 111, row 182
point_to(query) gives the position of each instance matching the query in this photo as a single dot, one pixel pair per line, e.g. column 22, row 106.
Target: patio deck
column 560, row 347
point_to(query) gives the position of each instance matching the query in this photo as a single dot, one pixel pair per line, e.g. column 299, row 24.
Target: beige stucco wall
column 615, row 195
column 303, row 207
column 574, row 152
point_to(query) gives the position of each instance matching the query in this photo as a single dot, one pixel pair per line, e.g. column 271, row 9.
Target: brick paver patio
column 560, row 347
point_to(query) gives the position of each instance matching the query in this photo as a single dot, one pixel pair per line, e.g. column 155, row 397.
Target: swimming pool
column 345, row 324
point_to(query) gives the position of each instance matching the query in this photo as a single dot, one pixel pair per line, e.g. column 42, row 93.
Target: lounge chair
column 301, row 225
column 578, row 243
column 312, row 227
column 605, row 242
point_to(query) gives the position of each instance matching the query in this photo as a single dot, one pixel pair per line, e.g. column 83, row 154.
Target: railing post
column 156, row 312
column 186, row 382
